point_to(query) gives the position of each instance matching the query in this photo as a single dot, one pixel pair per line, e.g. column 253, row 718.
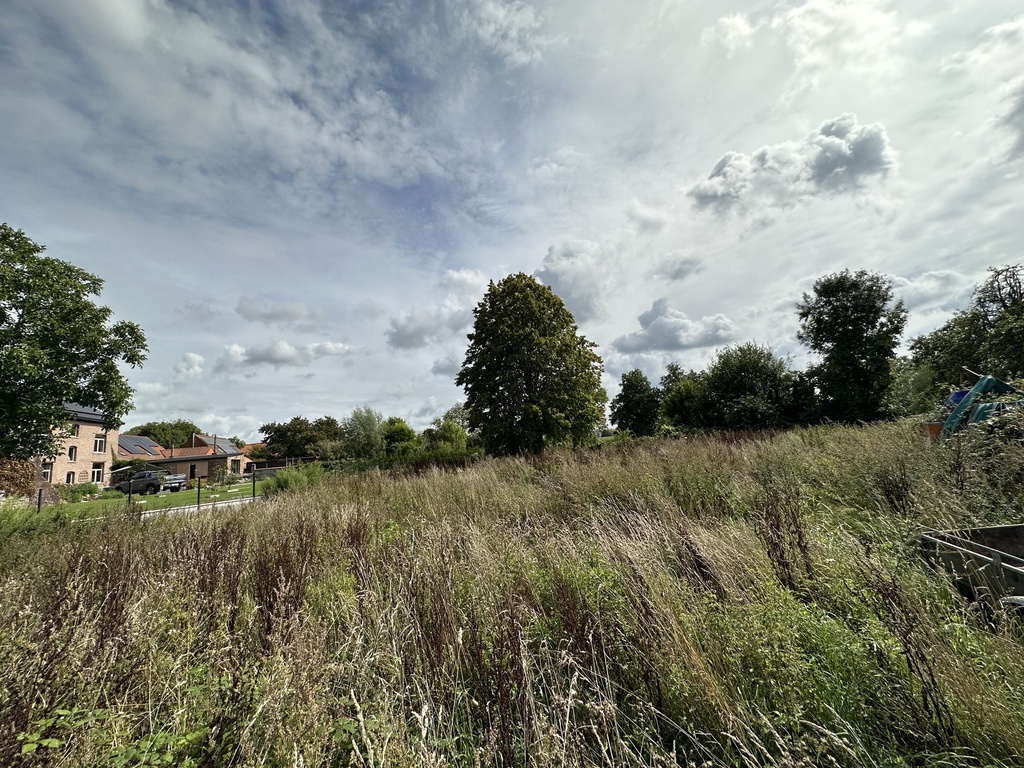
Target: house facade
column 201, row 456
column 86, row 454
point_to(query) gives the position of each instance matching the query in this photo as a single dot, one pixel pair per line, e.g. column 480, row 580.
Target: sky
column 301, row 202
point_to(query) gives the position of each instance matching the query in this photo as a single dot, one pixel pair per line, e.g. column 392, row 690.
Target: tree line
column 853, row 326
column 365, row 435
column 530, row 378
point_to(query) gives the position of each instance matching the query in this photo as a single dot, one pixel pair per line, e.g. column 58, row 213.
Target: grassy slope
column 690, row 602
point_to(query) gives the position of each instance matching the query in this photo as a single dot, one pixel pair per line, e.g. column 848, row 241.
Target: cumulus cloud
column 277, row 353
column 840, row 156
column 280, row 314
column 578, row 272
column 664, row 328
column 190, row 367
column 732, row 31
column 420, row 326
column 464, row 282
column 646, row 220
column 857, row 37
column 678, row 265
column 447, row 366
column 943, row 290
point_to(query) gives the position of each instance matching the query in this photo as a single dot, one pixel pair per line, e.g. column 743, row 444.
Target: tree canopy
column 300, row 437
column 851, row 322
column 363, row 436
column 169, row 434
column 986, row 337
column 56, row 346
column 747, row 387
column 398, row 437
column 636, row 407
column 531, row 380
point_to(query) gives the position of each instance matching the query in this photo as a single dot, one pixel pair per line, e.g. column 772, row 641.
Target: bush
column 73, row 494
column 293, row 478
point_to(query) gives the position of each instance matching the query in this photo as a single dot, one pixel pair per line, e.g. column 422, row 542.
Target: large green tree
column 300, row 437
column 531, row 380
column 851, row 321
column 683, row 396
column 56, row 346
column 169, row 434
column 399, row 438
column 636, row 407
column 747, row 387
column 364, row 438
column 986, row 337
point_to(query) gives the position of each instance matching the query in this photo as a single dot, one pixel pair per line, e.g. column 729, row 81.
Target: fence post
column 199, row 490
column 254, row 482
column 39, row 501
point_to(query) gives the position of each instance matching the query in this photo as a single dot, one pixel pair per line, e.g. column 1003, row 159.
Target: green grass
column 706, row 602
column 168, row 500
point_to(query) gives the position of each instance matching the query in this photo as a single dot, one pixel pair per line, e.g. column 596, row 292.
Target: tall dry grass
column 681, row 602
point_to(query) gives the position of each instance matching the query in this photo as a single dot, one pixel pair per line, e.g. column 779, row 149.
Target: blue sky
column 301, row 202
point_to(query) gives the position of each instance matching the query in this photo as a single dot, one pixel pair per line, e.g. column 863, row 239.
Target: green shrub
column 77, row 492
column 294, row 478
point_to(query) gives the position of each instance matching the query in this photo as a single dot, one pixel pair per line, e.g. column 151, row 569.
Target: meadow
column 706, row 601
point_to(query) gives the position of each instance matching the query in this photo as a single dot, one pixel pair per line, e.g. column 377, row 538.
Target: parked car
column 152, row 482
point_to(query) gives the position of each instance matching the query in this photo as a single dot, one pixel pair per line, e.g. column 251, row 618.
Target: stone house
column 86, row 454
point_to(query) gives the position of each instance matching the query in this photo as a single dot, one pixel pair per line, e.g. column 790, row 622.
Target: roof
column 189, row 454
column 222, row 444
column 84, row 413
column 138, row 445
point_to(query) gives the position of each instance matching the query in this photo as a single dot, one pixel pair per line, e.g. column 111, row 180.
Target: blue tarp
column 969, row 412
column 954, row 398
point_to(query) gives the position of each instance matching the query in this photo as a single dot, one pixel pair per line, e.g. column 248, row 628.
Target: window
column 73, row 453
column 97, row 472
column 99, row 443
column 47, row 470
column 70, row 478
column 74, row 430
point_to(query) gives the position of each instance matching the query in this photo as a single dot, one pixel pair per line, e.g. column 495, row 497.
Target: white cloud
column 511, row 30
column 941, row 289
column 664, row 328
column 580, row 273
column 732, row 31
column 1013, row 117
column 840, row 156
column 420, row 327
column 190, row 367
column 276, row 353
column 447, row 366
column 848, row 37
column 465, row 282
column 998, row 61
column 280, row 314
column 647, row 220
column 678, row 265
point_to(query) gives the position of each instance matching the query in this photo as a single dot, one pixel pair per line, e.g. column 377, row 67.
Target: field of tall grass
column 692, row 602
